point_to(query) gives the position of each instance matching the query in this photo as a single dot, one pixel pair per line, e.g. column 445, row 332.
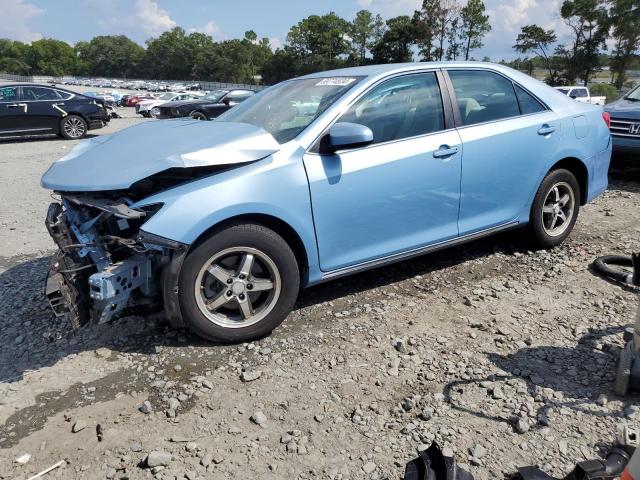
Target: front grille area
column 620, row 127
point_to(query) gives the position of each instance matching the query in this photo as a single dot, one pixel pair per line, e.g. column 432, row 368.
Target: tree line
column 439, row 30
column 591, row 24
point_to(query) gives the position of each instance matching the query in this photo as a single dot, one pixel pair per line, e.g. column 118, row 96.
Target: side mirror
column 573, row 95
column 228, row 101
column 347, row 135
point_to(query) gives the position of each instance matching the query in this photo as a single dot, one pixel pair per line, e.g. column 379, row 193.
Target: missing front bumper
column 98, row 276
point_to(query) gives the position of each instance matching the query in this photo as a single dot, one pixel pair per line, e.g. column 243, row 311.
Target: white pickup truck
column 582, row 94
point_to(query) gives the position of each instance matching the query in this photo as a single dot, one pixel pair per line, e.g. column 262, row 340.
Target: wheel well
column 277, row 225
column 581, row 173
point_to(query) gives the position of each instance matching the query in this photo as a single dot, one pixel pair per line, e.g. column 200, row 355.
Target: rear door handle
column 546, row 130
column 445, row 151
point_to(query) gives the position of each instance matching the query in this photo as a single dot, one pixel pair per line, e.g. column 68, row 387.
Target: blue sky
column 74, row 20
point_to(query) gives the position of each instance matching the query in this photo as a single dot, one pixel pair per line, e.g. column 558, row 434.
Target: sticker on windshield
column 335, row 82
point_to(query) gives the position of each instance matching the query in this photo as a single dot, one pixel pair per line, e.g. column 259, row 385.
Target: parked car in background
column 135, row 99
column 107, row 98
column 144, row 107
column 581, row 94
column 221, row 222
column 31, row 109
column 625, row 123
column 207, row 107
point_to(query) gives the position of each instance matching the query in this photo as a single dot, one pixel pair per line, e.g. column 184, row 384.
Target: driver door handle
column 445, row 151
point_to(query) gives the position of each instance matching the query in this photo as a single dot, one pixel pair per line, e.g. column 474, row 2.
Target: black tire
column 249, row 236
column 538, row 232
column 73, row 127
column 198, row 116
column 616, row 267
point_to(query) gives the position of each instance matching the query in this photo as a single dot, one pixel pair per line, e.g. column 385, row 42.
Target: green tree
column 454, row 37
column 589, row 24
column 535, row 38
column 365, row 31
column 319, row 39
column 448, row 12
column 110, row 56
column 395, row 44
column 426, row 28
column 281, row 66
column 13, row 57
column 625, row 19
column 475, row 25
column 51, row 57
column 168, row 56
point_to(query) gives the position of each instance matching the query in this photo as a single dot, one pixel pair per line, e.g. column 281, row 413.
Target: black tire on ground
column 198, row 116
column 616, row 267
column 538, row 233
column 251, row 236
column 73, row 127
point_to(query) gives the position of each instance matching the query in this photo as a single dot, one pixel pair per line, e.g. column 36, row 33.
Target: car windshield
column 166, row 96
column 634, row 94
column 563, row 90
column 215, row 95
column 287, row 108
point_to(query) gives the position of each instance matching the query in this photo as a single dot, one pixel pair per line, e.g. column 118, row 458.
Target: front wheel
column 239, row 284
column 198, row 116
column 555, row 209
column 73, row 127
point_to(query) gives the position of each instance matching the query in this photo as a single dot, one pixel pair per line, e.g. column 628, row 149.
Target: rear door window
column 483, row 96
column 34, row 94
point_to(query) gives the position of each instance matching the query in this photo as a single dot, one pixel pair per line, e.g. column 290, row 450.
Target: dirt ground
column 503, row 356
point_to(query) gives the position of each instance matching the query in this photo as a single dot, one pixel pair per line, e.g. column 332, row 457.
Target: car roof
column 376, row 70
column 44, row 85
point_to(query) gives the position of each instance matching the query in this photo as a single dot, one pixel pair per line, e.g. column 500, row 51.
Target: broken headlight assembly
column 106, row 265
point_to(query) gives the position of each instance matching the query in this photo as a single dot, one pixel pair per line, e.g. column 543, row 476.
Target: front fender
column 275, row 186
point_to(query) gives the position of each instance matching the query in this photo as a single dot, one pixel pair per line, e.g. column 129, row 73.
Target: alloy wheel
column 74, row 127
column 237, row 287
column 558, row 209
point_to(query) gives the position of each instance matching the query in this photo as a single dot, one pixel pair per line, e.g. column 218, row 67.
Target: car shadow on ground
column 581, row 373
column 33, row 338
column 38, row 138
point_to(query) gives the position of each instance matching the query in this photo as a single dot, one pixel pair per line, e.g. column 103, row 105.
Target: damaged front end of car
column 106, row 266
column 109, row 188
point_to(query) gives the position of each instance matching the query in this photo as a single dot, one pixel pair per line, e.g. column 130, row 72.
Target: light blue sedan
column 220, row 223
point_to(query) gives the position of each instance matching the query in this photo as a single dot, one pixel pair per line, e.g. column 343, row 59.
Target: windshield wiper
column 632, row 99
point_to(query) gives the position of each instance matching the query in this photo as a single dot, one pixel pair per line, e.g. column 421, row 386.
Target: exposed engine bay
column 105, row 267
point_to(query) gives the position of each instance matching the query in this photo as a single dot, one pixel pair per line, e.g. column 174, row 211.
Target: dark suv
column 625, row 124
column 210, row 106
column 29, row 109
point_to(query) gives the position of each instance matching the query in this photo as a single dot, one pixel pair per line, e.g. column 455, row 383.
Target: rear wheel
column 555, row 209
column 198, row 116
column 239, row 284
column 73, row 127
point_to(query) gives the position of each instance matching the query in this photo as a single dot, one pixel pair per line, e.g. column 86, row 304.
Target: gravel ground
column 503, row 356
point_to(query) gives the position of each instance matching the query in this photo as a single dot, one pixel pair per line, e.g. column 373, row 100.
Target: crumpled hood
column 115, row 162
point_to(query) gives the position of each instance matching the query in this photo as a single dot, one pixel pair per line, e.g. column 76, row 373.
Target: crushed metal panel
column 115, row 162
